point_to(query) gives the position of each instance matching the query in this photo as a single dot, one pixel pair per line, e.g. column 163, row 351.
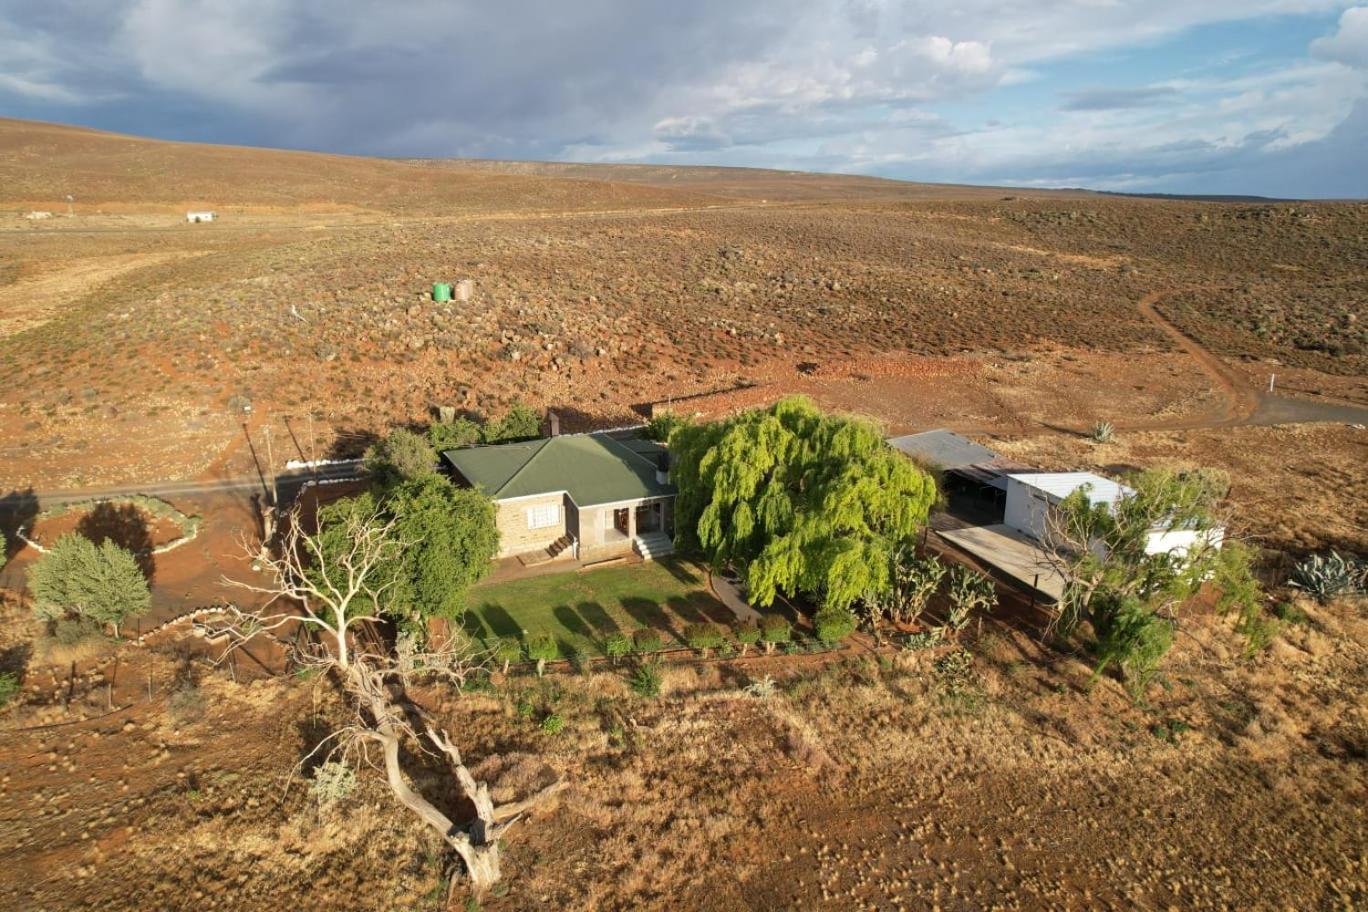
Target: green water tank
column 441, row 291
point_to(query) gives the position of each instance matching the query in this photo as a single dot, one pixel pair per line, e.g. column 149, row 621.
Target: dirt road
column 33, row 300
column 1241, row 403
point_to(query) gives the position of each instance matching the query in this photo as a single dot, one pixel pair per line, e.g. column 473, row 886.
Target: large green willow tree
column 799, row 500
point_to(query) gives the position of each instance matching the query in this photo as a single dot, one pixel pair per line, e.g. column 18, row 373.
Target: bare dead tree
column 334, row 589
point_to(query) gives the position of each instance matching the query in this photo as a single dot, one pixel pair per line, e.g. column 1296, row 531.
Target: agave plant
column 1325, row 576
column 1103, row 431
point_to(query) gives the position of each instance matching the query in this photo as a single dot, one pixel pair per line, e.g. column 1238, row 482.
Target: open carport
column 1011, row 553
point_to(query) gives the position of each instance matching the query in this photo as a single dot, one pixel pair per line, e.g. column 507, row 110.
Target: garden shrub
column 703, row 636
column 506, row 651
column 646, row 680
column 647, row 639
column 834, row 624
column 617, row 645
column 747, row 635
column 775, row 631
column 542, row 648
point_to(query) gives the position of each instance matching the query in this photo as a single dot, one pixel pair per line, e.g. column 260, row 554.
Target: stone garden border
column 188, row 524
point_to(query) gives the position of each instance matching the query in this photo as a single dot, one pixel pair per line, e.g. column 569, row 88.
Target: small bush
column 552, row 724
column 1103, row 432
column 76, row 632
column 775, row 631
column 834, row 625
column 506, row 651
column 1290, row 614
column 9, row 686
column 663, row 425
column 747, row 635
column 617, row 645
column 187, row 704
column 541, row 649
column 647, row 639
column 646, row 680
column 333, row 781
column 703, row 637
column 581, row 660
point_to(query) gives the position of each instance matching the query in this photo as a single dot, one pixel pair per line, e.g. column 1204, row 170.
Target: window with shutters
column 543, row 516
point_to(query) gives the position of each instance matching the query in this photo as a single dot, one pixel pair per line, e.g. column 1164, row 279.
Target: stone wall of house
column 512, row 517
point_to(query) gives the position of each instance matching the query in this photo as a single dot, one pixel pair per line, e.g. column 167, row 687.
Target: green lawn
column 582, row 609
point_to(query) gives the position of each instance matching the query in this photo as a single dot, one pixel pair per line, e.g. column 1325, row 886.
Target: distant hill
column 41, row 163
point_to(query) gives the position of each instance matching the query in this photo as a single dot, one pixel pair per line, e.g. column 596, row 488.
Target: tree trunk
column 482, row 864
column 541, row 667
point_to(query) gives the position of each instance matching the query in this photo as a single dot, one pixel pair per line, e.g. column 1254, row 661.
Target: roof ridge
column 543, row 441
column 626, row 449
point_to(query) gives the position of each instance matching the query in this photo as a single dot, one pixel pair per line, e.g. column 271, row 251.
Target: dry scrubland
column 876, row 784
column 646, row 292
column 127, row 339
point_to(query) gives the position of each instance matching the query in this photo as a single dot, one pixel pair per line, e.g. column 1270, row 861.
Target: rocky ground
column 872, row 782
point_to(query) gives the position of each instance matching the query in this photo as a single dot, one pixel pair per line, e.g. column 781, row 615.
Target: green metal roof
column 592, row 468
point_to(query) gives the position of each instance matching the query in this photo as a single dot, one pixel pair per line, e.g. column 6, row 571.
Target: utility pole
column 270, row 465
column 1271, row 378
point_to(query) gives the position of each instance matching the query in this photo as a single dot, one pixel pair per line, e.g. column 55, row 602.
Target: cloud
column 868, row 85
column 1349, row 45
column 1100, row 99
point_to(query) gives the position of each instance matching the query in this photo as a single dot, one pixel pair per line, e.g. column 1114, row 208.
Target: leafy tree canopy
column 451, row 435
column 1131, row 598
column 101, row 583
column 450, row 538
column 800, row 500
column 402, row 456
column 444, row 539
column 520, row 423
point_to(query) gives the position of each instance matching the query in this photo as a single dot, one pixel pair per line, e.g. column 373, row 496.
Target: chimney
column 663, row 468
column 552, row 424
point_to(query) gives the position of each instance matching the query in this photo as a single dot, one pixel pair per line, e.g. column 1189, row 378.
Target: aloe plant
column 1325, row 576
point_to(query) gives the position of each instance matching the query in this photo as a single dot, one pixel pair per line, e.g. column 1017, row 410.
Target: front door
column 620, row 520
column 648, row 518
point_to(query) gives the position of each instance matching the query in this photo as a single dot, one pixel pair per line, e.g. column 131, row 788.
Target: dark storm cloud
column 1116, row 99
column 852, row 85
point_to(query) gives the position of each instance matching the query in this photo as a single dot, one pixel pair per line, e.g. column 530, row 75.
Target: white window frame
column 543, row 516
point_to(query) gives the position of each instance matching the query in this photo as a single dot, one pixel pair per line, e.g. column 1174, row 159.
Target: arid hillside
column 41, row 164
column 129, row 340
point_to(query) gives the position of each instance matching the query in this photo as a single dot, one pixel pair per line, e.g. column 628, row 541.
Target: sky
column 1264, row 97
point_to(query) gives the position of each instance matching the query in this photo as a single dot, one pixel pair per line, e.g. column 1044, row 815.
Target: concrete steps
column 653, row 545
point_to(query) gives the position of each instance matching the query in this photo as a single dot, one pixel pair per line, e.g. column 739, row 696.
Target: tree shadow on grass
column 598, row 618
column 568, row 618
column 494, row 620
column 681, row 570
column 126, row 526
column 648, row 613
column 687, row 610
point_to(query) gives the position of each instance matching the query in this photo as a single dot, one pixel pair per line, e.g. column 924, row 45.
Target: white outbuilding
column 196, row 217
column 1032, row 498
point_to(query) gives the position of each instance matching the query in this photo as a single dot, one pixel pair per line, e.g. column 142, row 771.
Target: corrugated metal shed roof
column 591, row 468
column 943, row 448
column 1059, row 485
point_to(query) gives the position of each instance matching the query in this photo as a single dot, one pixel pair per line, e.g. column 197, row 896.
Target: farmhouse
column 585, row 497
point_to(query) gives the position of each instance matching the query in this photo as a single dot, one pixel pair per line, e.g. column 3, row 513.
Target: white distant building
column 1032, row 498
column 38, row 214
column 197, row 217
